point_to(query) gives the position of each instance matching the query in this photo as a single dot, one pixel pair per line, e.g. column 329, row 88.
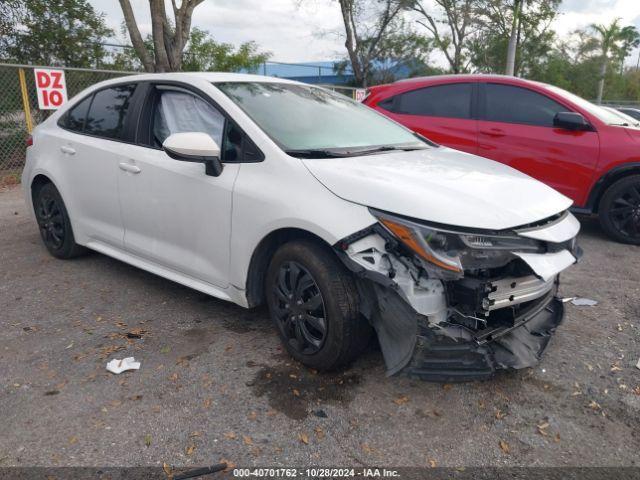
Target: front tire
column 313, row 300
column 54, row 224
column 619, row 210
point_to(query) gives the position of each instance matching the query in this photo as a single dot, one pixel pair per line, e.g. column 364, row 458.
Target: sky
column 309, row 30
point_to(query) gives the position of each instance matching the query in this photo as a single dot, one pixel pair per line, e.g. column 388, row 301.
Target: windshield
column 304, row 119
column 610, row 117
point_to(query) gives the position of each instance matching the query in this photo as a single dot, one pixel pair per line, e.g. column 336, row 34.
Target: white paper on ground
column 118, row 366
column 584, row 302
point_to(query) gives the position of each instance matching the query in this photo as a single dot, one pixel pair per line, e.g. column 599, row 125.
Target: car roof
column 468, row 77
column 207, row 76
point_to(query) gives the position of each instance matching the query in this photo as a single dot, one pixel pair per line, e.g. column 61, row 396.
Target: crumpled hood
column 440, row 185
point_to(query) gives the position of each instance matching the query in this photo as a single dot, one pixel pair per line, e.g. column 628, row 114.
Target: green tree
column 10, row 11
column 400, row 53
column 451, row 26
column 54, row 32
column 203, row 53
column 403, row 52
column 615, row 43
column 367, row 24
column 526, row 27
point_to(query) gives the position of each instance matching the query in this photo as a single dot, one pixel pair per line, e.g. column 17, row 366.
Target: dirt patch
column 298, row 392
column 239, row 325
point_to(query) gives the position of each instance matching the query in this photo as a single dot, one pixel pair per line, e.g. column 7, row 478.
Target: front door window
column 178, row 112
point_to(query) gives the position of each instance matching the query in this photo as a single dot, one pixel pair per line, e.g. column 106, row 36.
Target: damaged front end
column 455, row 304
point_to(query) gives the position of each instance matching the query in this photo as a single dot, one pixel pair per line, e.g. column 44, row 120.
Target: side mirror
column 571, row 121
column 195, row 147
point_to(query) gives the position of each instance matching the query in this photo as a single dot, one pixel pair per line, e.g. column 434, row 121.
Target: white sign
column 361, row 94
column 51, row 87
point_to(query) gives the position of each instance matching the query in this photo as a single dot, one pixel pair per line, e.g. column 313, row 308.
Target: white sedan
column 255, row 189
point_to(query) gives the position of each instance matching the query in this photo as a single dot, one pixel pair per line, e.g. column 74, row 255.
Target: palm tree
column 615, row 41
column 513, row 38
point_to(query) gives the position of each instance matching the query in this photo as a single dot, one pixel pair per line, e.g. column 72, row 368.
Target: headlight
column 452, row 251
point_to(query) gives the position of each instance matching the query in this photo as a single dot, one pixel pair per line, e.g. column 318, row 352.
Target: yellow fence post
column 25, row 100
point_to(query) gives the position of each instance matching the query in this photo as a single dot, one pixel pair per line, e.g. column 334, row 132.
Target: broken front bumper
column 449, row 354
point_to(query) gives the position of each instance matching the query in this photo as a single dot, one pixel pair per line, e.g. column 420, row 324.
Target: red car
column 589, row 153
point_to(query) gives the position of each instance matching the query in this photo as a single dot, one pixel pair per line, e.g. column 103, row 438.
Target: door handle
column 127, row 167
column 493, row 132
column 68, row 150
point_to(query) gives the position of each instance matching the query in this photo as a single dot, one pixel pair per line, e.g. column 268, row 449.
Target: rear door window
column 452, row 101
column 510, row 104
column 108, row 112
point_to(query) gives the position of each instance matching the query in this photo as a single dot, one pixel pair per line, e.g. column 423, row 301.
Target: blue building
column 308, row 72
column 325, row 72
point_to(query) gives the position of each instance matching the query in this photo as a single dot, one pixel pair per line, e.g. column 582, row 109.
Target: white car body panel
column 561, row 231
column 87, row 179
column 441, row 185
column 282, row 194
column 163, row 211
column 165, row 272
column 192, row 143
column 548, row 265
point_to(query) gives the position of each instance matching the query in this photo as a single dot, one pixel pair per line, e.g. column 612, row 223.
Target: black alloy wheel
column 54, row 224
column 625, row 211
column 313, row 300
column 620, row 210
column 51, row 221
column 299, row 308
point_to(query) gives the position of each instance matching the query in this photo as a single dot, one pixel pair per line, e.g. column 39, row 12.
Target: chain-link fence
column 19, row 109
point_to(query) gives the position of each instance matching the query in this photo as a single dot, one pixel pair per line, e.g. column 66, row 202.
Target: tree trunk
column 136, row 38
column 168, row 42
column 513, row 39
column 346, row 7
column 158, row 20
column 603, row 72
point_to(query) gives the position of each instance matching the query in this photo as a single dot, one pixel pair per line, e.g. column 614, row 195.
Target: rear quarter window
column 74, row 119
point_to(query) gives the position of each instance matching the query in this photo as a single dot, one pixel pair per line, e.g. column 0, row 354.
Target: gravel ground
column 215, row 384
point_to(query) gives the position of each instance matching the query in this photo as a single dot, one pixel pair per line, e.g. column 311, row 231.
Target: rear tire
column 54, row 224
column 619, row 210
column 313, row 300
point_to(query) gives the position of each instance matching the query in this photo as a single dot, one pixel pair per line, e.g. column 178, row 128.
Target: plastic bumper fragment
column 454, row 354
column 448, row 352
